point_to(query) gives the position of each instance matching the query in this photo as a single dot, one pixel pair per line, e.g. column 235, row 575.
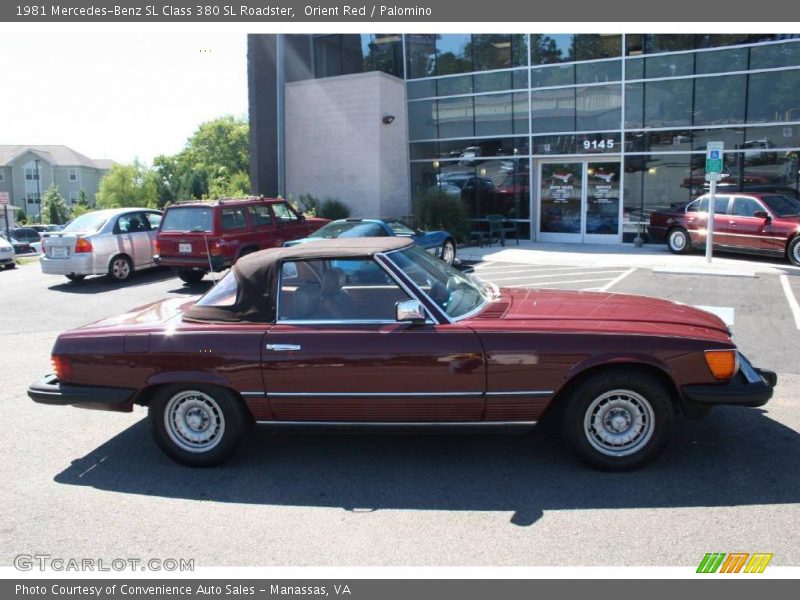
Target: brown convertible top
column 257, row 275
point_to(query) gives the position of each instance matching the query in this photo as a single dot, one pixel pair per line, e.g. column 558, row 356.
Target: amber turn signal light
column 82, row 246
column 722, row 363
column 61, row 367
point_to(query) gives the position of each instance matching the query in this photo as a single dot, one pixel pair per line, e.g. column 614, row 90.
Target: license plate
column 59, row 252
column 185, row 248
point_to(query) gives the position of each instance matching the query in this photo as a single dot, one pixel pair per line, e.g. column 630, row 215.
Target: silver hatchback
column 113, row 242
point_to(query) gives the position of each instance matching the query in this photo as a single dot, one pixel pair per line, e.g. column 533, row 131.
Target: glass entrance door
column 579, row 201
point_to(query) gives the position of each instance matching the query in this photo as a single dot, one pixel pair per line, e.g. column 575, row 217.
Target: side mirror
column 762, row 214
column 409, row 311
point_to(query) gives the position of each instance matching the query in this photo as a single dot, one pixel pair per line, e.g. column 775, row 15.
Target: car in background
column 196, row 238
column 749, row 223
column 113, row 242
column 438, row 243
column 26, row 234
column 6, row 254
column 288, row 339
column 18, row 246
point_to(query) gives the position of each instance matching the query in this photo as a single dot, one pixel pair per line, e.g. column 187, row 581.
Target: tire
column 197, row 425
column 11, row 265
column 189, row 276
column 618, row 420
column 793, row 251
column 678, row 241
column 75, row 277
column 120, row 268
column 448, row 251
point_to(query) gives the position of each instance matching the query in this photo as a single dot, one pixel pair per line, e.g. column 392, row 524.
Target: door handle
column 732, row 223
column 283, row 347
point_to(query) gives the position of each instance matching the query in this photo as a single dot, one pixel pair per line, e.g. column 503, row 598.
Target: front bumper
column 49, row 390
column 749, row 387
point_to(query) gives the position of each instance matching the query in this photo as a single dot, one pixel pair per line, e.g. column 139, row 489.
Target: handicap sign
column 714, row 154
column 714, row 157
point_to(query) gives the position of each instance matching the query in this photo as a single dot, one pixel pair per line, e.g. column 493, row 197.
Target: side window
column 745, row 207
column 260, row 215
column 284, row 214
column 154, row 219
column 699, row 205
column 355, row 290
column 131, row 223
column 233, row 218
column 721, row 205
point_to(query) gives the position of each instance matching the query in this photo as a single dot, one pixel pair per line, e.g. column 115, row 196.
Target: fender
column 188, row 377
column 613, row 358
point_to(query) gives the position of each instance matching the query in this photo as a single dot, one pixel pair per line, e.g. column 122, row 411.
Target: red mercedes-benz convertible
column 375, row 332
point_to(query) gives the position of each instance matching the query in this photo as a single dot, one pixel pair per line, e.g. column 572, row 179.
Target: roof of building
column 55, row 155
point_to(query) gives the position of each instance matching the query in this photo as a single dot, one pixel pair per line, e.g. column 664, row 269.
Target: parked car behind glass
column 113, row 242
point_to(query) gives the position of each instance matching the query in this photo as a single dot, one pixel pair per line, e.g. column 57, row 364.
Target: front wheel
column 448, row 252
column 198, row 426
column 618, row 420
column 190, row 276
column 793, row 251
column 678, row 241
column 120, row 268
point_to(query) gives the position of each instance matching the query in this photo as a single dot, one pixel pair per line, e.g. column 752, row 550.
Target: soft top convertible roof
column 257, row 275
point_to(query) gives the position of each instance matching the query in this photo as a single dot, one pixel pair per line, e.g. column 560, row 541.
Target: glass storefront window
column 453, row 53
column 668, row 103
column 554, row 144
column 383, row 52
column 667, row 42
column 594, row 46
column 469, row 150
column 732, row 137
column 450, row 86
column 634, row 68
column 726, row 39
column 719, row 100
column 328, row 55
column 491, row 82
column 422, row 120
column 553, row 110
column 598, row 107
column 418, row 150
column 494, row 114
column 425, row 88
column 424, row 177
column 782, row 136
column 654, row 141
column 721, row 61
column 456, row 117
column 775, row 55
column 420, row 55
column 634, row 105
column 520, row 79
column 521, row 112
column 669, row 65
column 548, row 49
column 492, row 51
column 773, row 96
column 598, row 72
column 552, row 76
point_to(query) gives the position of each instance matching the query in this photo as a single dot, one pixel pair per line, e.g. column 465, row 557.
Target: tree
column 54, row 208
column 230, row 186
column 82, row 206
column 128, row 185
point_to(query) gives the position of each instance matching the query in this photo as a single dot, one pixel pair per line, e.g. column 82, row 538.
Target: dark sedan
column 289, row 339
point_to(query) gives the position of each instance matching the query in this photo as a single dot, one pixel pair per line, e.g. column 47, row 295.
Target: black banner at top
column 452, row 11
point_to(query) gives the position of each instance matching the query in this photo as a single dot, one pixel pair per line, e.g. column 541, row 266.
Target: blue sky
column 118, row 96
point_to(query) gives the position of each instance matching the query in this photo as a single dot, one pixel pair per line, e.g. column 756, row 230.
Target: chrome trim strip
column 523, row 393
column 386, row 424
column 256, row 394
column 374, row 394
column 336, row 322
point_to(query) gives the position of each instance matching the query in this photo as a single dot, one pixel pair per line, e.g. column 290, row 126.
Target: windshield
column 188, row 218
column 349, row 229
column 782, row 206
column 91, row 221
column 456, row 293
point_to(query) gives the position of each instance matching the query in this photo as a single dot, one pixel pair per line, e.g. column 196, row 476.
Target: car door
column 264, row 226
column 697, row 218
column 744, row 230
column 336, row 352
column 290, row 224
column 132, row 237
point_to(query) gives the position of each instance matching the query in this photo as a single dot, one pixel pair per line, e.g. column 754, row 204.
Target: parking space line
column 551, row 275
column 616, row 280
column 791, row 299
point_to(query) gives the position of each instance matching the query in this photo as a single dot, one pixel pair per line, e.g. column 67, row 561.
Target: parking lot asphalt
column 79, row 483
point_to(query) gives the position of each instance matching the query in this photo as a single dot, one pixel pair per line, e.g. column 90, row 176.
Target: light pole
column 38, row 189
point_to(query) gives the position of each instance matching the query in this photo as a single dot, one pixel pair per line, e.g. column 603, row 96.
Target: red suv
column 751, row 223
column 198, row 237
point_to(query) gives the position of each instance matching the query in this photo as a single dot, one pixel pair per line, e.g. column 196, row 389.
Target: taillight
column 62, row 366
column 82, row 245
column 722, row 363
column 214, row 248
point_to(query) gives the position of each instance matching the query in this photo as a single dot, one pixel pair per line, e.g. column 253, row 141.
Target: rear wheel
column 190, row 276
column 75, row 277
column 198, row 426
column 120, row 268
column 793, row 251
column 678, row 241
column 448, row 252
column 618, row 420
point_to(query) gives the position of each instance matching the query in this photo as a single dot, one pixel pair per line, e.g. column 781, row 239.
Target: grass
column 26, row 260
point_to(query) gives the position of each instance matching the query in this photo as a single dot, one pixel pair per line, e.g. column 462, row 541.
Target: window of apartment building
column 32, row 198
column 31, row 173
column 2, row 176
column 73, row 197
column 73, row 174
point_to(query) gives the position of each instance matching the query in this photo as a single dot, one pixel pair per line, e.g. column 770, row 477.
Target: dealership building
column 576, row 137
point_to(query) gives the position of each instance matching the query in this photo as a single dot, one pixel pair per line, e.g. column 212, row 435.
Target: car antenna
column 208, row 255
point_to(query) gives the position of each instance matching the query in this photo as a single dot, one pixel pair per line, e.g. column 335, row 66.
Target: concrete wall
column 338, row 146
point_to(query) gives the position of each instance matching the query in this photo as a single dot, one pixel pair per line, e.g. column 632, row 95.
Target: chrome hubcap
column 121, row 269
column 194, row 421
column 678, row 240
column 796, row 252
column 619, row 423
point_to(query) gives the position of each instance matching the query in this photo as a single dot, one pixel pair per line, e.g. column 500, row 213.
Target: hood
column 565, row 309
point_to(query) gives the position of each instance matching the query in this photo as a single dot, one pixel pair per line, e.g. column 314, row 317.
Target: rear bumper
column 218, row 263
column 49, row 390
column 79, row 264
column 749, row 387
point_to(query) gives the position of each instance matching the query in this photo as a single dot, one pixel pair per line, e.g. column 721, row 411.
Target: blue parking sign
column 714, row 154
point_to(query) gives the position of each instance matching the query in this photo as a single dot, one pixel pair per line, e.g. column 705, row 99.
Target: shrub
column 439, row 210
column 306, row 204
column 333, row 208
